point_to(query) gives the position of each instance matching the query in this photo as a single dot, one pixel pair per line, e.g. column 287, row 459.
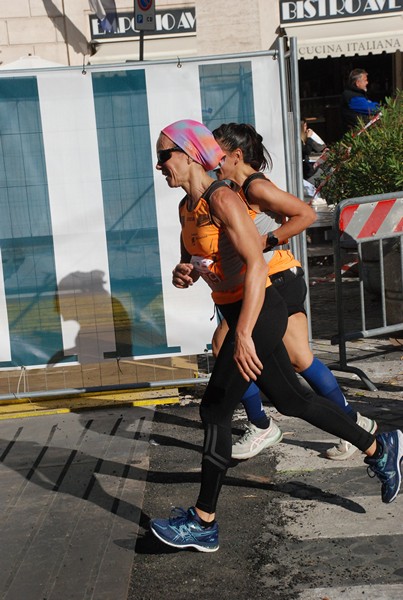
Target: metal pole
column 106, row 388
column 284, row 110
column 296, row 110
column 123, row 66
column 298, row 245
column 141, row 46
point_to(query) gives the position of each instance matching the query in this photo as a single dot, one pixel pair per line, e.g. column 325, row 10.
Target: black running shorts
column 291, row 286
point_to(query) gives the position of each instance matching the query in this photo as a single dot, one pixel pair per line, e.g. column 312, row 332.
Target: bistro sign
column 304, row 11
column 172, row 22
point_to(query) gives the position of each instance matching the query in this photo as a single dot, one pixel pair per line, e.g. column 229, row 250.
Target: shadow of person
column 96, row 324
column 171, row 419
column 146, row 543
column 69, row 32
column 80, row 474
column 70, row 471
column 123, row 330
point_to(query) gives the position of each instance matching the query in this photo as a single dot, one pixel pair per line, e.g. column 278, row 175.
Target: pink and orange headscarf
column 197, row 141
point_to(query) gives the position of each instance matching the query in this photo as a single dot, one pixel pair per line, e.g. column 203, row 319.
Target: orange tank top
column 212, row 253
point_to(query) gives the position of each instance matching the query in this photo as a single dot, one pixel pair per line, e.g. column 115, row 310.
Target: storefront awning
column 348, row 37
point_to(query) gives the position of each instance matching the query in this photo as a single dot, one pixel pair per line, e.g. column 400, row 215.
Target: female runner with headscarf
column 221, row 244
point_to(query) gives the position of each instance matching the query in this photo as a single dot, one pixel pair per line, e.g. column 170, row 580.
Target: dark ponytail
column 245, row 137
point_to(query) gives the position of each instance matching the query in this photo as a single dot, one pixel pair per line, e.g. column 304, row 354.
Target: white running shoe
column 344, row 449
column 254, row 440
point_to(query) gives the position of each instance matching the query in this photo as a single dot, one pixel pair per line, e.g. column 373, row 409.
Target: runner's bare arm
column 230, row 210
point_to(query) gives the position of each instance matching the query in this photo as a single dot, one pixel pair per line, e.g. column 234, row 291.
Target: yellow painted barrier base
column 25, row 407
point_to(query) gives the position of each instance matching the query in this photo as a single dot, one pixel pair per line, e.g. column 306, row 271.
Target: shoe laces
column 248, row 433
column 343, row 445
column 178, row 515
column 375, row 471
column 372, row 473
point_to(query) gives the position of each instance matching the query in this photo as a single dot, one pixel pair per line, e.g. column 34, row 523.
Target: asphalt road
column 292, row 523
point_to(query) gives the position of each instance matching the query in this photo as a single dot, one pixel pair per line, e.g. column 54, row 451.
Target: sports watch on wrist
column 271, row 242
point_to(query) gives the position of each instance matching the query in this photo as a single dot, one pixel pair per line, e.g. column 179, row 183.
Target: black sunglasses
column 164, row 155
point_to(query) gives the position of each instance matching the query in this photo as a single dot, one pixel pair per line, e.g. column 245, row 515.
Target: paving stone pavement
column 71, row 494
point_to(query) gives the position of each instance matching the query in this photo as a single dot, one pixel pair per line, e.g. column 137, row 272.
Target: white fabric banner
column 77, row 212
column 5, row 350
column 77, row 204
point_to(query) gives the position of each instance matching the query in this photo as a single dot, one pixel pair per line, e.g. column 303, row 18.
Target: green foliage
column 370, row 162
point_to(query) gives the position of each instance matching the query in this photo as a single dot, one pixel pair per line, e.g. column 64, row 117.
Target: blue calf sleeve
column 253, row 406
column 324, row 383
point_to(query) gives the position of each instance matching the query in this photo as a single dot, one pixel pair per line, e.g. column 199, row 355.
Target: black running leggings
column 277, row 381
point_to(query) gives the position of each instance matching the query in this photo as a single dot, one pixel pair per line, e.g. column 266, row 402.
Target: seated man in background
column 354, row 100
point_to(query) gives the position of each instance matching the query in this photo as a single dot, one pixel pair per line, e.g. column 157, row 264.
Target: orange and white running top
column 281, row 259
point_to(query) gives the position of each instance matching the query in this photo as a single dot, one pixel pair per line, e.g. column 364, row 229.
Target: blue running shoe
column 184, row 530
column 388, row 467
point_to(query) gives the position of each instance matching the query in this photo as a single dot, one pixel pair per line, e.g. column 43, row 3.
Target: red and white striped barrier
column 373, row 220
column 332, row 276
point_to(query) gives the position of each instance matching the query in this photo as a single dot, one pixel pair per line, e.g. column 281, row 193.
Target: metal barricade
column 374, row 227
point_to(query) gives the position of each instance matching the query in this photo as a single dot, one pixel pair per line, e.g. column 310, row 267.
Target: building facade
column 66, row 31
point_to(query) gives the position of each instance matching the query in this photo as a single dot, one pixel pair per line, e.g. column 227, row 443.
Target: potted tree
column 368, row 159
column 365, row 162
